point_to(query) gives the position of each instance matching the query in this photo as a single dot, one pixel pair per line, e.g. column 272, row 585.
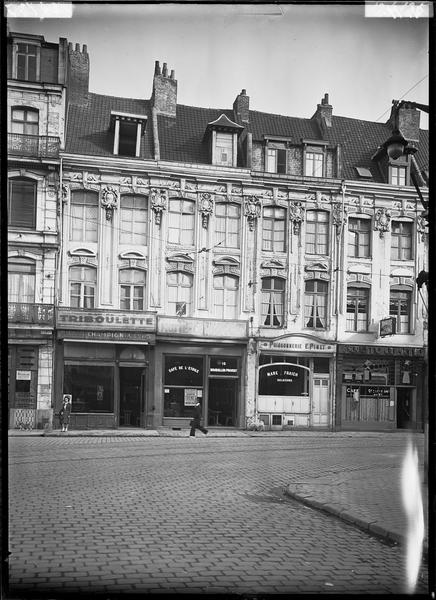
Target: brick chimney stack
column 241, row 108
column 78, row 75
column 323, row 114
column 406, row 120
column 164, row 96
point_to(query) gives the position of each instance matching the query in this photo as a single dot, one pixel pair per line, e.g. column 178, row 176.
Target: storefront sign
column 190, row 397
column 114, row 336
column 24, row 375
column 366, row 390
column 380, row 350
column 283, row 380
column 102, row 319
column 298, row 344
column 223, row 366
column 388, row 326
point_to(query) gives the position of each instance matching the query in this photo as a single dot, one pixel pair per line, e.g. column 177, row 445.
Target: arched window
column 133, row 220
column 317, row 232
column 227, row 224
column 181, row 221
column 273, row 298
column 84, row 216
column 225, row 296
column 24, row 121
column 179, row 287
column 400, row 306
column 357, row 308
column 22, row 203
column 83, row 284
column 21, row 280
column 132, row 289
column 315, row 304
column 273, row 229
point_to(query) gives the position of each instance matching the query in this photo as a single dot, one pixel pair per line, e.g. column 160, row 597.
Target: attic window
column 128, row 129
column 364, row 172
column 224, row 141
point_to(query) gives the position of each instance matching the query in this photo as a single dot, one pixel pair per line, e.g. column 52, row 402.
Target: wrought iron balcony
column 38, row 314
column 40, row 146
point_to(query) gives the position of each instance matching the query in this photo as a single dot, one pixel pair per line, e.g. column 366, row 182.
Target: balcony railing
column 38, row 314
column 40, row 146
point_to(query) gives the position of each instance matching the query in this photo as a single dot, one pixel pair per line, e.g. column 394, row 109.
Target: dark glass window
column 283, row 380
column 183, row 385
column 22, row 203
column 91, row 387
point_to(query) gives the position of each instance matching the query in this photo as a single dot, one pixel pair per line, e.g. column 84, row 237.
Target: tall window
column 227, row 224
column 357, row 308
column 273, row 300
column 181, row 222
column 133, row 220
column 224, row 149
column 179, row 295
column 313, row 166
column 398, row 175
column 315, row 304
column 317, row 232
column 132, row 289
column 276, row 160
column 400, row 307
column 225, row 296
column 24, row 121
column 83, row 283
column 27, row 62
column 273, row 229
column 21, row 280
column 84, row 216
column 22, row 203
column 401, row 240
column 359, row 235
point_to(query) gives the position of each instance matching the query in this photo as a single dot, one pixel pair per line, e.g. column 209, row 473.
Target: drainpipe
column 339, row 292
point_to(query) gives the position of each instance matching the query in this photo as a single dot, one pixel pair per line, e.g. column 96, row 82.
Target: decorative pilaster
column 206, row 208
column 109, row 201
column 158, row 203
column 251, row 210
column 382, row 221
column 296, row 215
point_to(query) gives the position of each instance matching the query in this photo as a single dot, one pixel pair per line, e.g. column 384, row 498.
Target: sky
column 286, row 56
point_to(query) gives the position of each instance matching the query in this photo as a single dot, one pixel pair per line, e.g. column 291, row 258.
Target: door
column 404, row 408
column 222, row 402
column 320, row 402
column 131, row 394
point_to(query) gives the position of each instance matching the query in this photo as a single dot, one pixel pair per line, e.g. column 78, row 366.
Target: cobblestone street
column 191, row 515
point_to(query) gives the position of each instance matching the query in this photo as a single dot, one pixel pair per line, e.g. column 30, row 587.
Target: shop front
column 379, row 387
column 186, row 374
column 103, row 361
column 294, row 383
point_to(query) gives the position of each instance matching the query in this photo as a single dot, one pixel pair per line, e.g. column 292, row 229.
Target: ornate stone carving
column 251, row 210
column 382, row 221
column 65, row 192
column 109, row 201
column 422, row 227
column 296, row 215
column 206, row 208
column 339, row 214
column 158, row 203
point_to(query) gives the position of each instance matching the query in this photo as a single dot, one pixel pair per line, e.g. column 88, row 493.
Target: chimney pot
column 165, row 70
column 70, row 45
column 173, row 74
column 244, row 92
column 77, row 47
column 156, row 67
column 85, row 49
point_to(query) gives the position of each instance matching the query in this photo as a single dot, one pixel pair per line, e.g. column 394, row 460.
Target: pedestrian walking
column 64, row 413
column 196, row 421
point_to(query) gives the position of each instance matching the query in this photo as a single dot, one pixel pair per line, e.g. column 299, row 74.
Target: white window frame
column 222, row 310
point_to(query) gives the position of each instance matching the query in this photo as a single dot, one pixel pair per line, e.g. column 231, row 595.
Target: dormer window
column 397, row 175
column 223, row 134
column 26, row 53
column 276, row 160
column 128, row 130
column 314, row 158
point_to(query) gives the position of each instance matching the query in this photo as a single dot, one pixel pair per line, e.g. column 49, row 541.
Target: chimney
column 78, row 75
column 164, row 96
column 323, row 114
column 241, row 108
column 406, row 120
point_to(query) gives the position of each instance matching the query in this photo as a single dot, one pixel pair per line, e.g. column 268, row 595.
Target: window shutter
column 22, row 197
column 281, row 161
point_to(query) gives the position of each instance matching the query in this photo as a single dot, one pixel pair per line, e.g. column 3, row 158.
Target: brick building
column 236, row 256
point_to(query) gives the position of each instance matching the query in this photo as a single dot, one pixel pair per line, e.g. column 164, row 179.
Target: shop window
column 24, row 121
column 275, row 160
column 179, row 288
column 359, row 235
column 276, row 420
column 401, row 240
column 400, row 305
column 315, row 304
column 283, row 379
column 181, row 221
column 357, row 308
column 317, row 232
column 23, row 376
column 91, row 388
column 227, row 225
column 313, row 164
column 27, row 62
column 21, row 280
column 84, row 216
column 273, row 298
column 225, row 296
column 133, row 220
column 273, row 229
column 321, row 365
column 183, row 385
column 22, row 203
column 83, row 283
column 132, row 289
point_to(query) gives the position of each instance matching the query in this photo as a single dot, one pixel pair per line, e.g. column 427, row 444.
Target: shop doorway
column 131, row 393
column 320, row 402
column 222, row 403
column 404, row 408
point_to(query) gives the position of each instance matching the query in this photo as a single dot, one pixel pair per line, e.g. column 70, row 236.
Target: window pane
column 91, row 387
column 22, row 203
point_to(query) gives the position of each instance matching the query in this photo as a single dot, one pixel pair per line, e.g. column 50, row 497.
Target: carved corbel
column 382, row 221
column 206, row 208
column 109, row 201
column 296, row 212
column 158, row 203
column 251, row 210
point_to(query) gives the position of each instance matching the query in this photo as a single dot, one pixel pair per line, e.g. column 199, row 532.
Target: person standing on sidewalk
column 64, row 414
column 196, row 421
